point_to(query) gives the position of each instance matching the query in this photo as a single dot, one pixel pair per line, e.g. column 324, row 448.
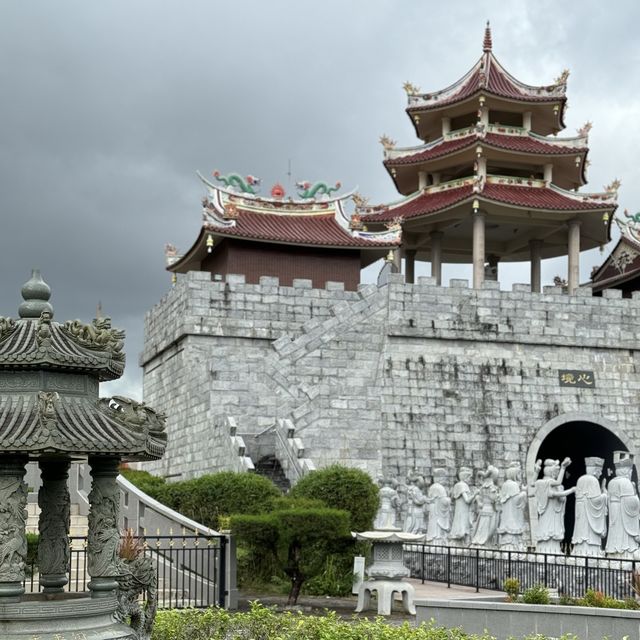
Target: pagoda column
column 548, row 173
column 446, row 126
column 535, row 247
column 478, row 247
column 436, row 178
column 574, row 255
column 410, row 265
column 422, row 180
column 13, row 517
column 53, row 524
column 436, row 256
column 104, row 536
column 526, row 120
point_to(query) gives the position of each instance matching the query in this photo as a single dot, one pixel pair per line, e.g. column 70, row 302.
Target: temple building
column 309, row 237
column 268, row 356
column 491, row 182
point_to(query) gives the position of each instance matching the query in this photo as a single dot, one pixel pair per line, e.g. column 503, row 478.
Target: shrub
column 536, row 595
column 593, row 598
column 264, row 624
column 152, row 485
column 344, row 488
column 206, row 498
column 297, row 538
column 31, row 561
column 512, row 588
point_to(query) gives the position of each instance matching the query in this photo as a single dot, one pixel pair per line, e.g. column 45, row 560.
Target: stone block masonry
column 387, row 379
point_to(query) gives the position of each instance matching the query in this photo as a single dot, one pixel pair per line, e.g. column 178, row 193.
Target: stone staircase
column 269, row 467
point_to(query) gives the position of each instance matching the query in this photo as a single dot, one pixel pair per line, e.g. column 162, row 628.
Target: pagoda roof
column 489, row 78
column 50, row 423
column 516, row 192
column 506, row 138
column 304, row 222
column 29, row 343
column 622, row 266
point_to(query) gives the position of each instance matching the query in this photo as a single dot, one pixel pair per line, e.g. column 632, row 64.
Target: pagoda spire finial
column 35, row 293
column 486, row 45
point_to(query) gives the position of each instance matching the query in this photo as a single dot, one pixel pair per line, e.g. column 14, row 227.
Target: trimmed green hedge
column 345, row 488
column 263, row 624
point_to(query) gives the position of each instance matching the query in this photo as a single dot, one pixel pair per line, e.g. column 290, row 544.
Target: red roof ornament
column 277, row 191
column 486, row 45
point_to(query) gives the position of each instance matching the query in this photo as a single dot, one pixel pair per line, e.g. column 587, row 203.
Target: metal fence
column 190, row 568
column 489, row 568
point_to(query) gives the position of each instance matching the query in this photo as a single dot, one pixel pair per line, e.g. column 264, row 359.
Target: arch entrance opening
column 578, row 440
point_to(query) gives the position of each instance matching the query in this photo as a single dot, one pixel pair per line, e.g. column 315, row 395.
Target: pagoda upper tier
column 497, row 91
column 308, row 237
column 490, row 184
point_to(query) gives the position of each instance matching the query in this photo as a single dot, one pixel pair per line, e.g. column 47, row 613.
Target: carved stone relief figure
column 551, row 499
column 13, row 517
column 386, row 516
column 400, row 504
column 462, row 496
column 624, row 509
column 103, row 537
column 484, row 531
column 512, row 503
column 591, row 511
column 438, row 510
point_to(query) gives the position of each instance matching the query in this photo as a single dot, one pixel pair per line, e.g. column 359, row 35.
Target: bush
column 536, row 595
column 264, row 624
column 31, row 561
column 512, row 588
column 344, row 488
column 152, row 485
column 298, row 538
column 207, row 498
column 593, row 598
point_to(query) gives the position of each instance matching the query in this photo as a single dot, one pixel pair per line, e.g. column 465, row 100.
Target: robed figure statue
column 438, row 510
column 462, row 496
column 551, row 498
column 484, row 531
column 591, row 511
column 624, row 509
column 512, row 503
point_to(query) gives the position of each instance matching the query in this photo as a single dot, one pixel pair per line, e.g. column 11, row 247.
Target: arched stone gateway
column 576, row 436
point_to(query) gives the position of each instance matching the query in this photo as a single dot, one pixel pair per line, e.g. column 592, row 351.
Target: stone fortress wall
column 392, row 379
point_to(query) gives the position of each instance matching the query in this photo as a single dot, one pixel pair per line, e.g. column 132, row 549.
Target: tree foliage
column 344, row 488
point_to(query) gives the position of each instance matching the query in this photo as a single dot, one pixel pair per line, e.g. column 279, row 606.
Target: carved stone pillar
column 436, row 256
column 478, row 249
column 104, row 537
column 53, row 525
column 574, row 256
column 13, row 518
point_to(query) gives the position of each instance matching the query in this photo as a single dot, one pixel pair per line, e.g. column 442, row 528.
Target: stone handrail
column 290, row 452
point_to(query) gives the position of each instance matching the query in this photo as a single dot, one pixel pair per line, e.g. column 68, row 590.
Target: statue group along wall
column 394, row 380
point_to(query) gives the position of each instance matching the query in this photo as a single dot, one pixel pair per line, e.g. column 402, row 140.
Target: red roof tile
column 489, row 76
column 322, row 230
column 520, row 196
column 522, row 144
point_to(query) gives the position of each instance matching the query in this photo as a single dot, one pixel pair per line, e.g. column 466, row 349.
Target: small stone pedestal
column 387, row 573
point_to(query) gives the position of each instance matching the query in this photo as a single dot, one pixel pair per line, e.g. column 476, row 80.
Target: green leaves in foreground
column 263, row 624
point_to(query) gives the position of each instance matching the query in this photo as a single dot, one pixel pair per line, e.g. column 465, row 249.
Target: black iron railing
column 489, row 568
column 191, row 569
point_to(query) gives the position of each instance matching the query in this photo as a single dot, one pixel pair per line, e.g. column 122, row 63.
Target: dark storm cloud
column 109, row 108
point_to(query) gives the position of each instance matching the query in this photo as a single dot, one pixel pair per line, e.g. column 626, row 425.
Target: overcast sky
column 109, row 108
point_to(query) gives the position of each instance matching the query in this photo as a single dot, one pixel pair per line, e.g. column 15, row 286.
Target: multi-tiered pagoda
column 490, row 181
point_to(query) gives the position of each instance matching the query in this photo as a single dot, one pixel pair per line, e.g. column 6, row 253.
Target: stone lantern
column 50, row 412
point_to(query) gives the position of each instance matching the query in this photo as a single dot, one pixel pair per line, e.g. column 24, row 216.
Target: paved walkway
column 439, row 591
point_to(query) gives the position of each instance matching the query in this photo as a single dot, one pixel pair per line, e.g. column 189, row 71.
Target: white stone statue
column 386, row 516
column 512, row 523
column 591, row 511
column 462, row 496
column 484, row 531
column 438, row 510
column 400, row 503
column 416, row 500
column 624, row 509
column 551, row 499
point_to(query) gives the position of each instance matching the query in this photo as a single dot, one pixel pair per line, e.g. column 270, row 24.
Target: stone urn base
column 65, row 616
column 384, row 590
